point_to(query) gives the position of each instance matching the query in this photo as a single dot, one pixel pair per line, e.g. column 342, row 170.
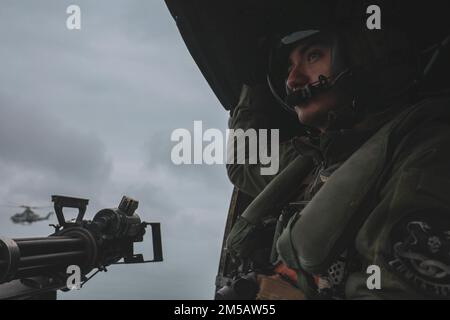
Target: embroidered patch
column 420, row 252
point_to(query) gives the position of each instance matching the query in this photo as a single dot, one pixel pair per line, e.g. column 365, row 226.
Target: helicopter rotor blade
column 33, row 207
column 25, row 206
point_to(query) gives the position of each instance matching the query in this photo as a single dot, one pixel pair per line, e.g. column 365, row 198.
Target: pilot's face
column 307, row 61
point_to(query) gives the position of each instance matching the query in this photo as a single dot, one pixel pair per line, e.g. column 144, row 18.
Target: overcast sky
column 89, row 113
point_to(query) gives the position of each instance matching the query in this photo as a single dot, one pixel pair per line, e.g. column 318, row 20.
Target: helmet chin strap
column 306, row 93
column 343, row 117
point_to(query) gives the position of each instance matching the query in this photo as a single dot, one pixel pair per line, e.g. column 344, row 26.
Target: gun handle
column 157, row 243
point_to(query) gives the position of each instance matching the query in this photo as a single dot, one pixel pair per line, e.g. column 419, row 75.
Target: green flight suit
column 378, row 196
column 251, row 113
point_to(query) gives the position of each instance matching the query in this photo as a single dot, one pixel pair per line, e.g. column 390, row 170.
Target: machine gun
column 30, row 267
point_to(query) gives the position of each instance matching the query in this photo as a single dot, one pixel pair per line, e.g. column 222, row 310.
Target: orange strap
column 282, row 269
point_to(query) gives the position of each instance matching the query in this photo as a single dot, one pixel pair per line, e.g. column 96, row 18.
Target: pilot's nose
column 297, row 78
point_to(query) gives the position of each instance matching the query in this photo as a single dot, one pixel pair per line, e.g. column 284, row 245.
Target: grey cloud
column 36, row 140
column 159, row 147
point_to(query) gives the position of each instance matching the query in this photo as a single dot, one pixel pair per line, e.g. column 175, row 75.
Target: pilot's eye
column 314, row 55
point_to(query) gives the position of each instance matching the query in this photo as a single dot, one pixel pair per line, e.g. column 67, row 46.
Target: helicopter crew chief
column 372, row 174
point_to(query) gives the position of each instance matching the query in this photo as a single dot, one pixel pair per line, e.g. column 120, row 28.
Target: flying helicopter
column 29, row 216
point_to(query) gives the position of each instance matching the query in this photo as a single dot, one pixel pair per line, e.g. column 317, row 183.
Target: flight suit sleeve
column 251, row 114
column 405, row 243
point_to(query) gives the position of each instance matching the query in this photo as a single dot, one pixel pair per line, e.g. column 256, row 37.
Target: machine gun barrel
column 47, row 245
column 31, row 257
